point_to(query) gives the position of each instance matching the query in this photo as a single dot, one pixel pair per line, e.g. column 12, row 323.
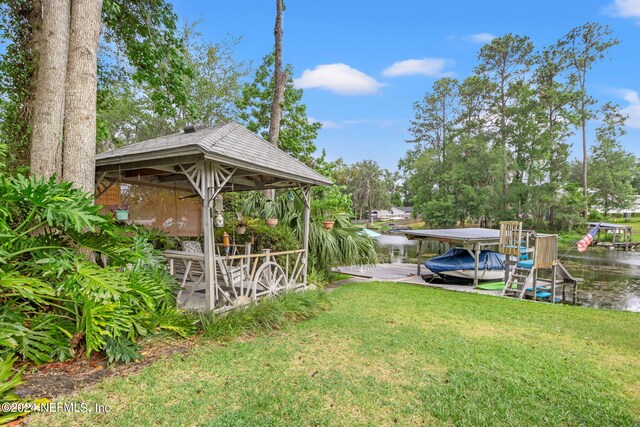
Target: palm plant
column 344, row 244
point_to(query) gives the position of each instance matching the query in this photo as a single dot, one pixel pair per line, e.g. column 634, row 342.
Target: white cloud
column 326, row 124
column 633, row 109
column 624, row 8
column 480, row 38
column 631, row 96
column 381, row 123
column 339, row 78
column 430, row 67
column 341, row 124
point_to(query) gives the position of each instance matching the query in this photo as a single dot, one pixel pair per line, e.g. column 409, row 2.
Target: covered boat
column 459, row 264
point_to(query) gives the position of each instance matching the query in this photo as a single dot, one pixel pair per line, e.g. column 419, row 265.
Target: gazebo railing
column 240, row 278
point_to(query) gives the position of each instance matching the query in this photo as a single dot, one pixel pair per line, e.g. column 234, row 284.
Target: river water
column 611, row 277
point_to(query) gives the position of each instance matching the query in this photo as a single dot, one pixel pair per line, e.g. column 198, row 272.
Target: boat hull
column 483, row 275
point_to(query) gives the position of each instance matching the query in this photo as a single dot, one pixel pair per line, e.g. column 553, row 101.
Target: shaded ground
column 63, row 378
column 390, row 353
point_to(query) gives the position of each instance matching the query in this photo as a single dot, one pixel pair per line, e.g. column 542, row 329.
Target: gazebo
column 201, row 164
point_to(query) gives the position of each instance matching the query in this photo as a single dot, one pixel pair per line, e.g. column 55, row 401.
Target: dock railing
column 546, row 250
column 510, row 238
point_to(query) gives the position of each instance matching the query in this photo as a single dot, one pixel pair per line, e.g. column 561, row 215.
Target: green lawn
column 396, row 354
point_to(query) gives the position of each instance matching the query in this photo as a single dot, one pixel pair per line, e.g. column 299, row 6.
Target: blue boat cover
column 461, row 259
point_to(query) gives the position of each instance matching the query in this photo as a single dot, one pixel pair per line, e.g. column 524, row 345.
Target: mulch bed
column 63, row 378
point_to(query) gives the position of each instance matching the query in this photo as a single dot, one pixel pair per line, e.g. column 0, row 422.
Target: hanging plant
column 270, row 213
column 241, row 223
column 121, row 211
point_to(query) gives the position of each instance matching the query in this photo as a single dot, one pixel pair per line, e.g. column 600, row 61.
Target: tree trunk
column 280, row 80
column 552, row 170
column 49, row 97
column 585, row 184
column 80, row 108
column 503, row 142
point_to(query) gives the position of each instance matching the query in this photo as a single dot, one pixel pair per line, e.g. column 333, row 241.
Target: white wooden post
column 306, row 195
column 207, row 191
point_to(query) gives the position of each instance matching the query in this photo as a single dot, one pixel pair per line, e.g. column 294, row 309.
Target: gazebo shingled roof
column 229, row 144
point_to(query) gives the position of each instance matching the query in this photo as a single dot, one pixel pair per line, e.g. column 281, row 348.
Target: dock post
column 419, row 249
column 476, row 251
column 535, row 284
column 507, row 258
column 553, row 283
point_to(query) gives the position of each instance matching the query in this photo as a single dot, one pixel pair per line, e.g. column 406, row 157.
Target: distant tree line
column 495, row 145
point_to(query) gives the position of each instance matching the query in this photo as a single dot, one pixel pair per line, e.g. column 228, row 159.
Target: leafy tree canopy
column 297, row 132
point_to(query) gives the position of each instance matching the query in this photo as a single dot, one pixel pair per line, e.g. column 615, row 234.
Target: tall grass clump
column 266, row 315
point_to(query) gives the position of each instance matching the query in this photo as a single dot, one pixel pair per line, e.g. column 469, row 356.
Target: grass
column 384, row 225
column 267, row 315
column 336, row 277
column 395, row 354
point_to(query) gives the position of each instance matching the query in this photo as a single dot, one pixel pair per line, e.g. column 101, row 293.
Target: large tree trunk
column 49, row 97
column 280, row 80
column 80, row 108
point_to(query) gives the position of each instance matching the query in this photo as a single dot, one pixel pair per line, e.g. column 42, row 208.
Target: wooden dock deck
column 406, row 273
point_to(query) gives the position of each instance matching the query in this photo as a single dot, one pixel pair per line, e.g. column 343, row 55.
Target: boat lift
column 526, row 252
column 471, row 239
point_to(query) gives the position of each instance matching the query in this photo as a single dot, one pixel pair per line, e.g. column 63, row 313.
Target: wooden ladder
column 519, row 280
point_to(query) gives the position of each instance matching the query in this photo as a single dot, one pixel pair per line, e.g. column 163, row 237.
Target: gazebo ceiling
column 161, row 161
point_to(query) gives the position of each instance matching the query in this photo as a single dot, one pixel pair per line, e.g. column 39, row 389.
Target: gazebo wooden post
column 208, row 192
column 306, row 199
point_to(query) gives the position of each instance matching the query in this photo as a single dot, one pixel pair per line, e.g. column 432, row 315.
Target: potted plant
column 121, row 212
column 328, row 223
column 241, row 224
column 270, row 214
column 331, row 200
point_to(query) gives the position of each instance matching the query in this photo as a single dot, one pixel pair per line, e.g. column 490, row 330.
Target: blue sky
column 343, row 54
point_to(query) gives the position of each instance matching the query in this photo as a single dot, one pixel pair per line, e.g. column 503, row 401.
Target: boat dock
column 406, row 273
column 532, row 268
column 620, row 236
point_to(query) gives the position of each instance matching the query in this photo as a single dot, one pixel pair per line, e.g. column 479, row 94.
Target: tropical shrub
column 344, row 244
column 9, row 379
column 54, row 299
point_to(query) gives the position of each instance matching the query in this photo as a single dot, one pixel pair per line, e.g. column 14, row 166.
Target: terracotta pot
column 241, row 230
column 328, row 224
column 271, row 222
